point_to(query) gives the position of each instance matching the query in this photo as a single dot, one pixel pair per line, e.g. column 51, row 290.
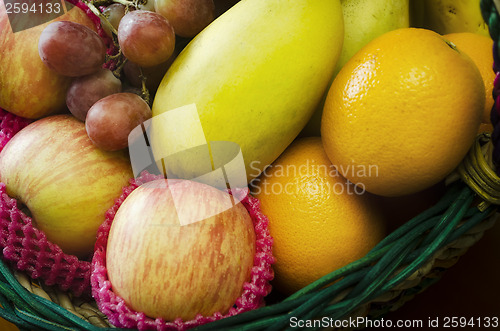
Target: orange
column 319, row 221
column 480, row 49
column 408, row 104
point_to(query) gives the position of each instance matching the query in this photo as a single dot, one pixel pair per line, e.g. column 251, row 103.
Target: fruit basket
column 403, row 264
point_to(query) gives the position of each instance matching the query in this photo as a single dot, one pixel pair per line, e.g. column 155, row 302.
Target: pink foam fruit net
column 122, row 316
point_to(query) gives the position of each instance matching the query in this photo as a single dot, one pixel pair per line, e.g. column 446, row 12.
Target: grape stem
column 117, row 72
column 127, row 3
column 145, row 91
column 94, row 5
column 116, row 56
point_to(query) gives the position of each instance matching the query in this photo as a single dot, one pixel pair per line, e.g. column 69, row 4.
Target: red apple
column 66, row 182
column 177, row 248
column 27, row 87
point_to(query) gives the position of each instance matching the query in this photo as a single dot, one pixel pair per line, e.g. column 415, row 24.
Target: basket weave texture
column 403, row 264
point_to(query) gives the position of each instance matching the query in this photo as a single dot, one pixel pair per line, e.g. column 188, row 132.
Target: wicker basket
column 402, row 265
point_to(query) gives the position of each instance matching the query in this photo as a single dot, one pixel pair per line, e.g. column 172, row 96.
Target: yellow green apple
column 67, row 183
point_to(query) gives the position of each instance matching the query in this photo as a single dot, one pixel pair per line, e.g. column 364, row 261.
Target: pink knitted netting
column 27, row 248
column 122, row 316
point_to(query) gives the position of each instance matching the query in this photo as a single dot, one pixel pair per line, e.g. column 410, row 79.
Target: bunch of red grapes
column 112, row 104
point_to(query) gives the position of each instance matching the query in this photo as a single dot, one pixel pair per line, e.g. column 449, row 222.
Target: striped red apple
column 178, row 248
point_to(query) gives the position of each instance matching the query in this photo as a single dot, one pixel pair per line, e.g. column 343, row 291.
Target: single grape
column 111, row 119
column 86, row 90
column 71, row 49
column 188, row 17
column 113, row 13
column 146, row 38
